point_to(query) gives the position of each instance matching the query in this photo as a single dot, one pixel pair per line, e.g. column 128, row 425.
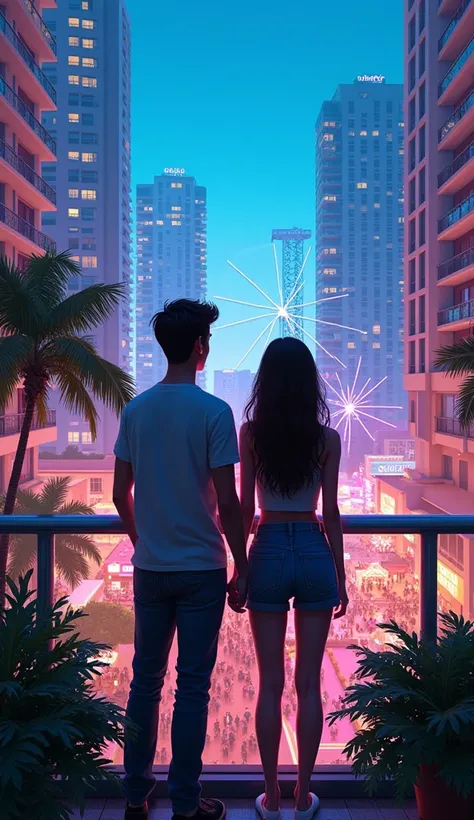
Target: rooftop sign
column 175, row 172
column 371, row 78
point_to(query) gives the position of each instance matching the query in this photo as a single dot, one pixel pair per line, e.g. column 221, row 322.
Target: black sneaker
column 208, row 809
column 136, row 812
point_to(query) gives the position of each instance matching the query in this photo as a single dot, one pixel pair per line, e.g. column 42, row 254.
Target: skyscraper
column 171, row 258
column 26, row 43
column 359, row 236
column 234, row 387
column 92, row 176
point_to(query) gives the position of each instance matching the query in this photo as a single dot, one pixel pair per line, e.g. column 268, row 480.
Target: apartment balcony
column 32, row 26
column 458, row 126
column 458, row 220
column 457, row 317
column 25, row 237
column 28, row 128
column 453, row 427
column 457, row 81
column 447, row 7
column 456, row 35
column 458, row 269
column 27, row 71
column 455, row 176
column 24, row 180
column 41, row 433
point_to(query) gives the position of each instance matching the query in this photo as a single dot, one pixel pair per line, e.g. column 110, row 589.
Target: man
column 178, row 446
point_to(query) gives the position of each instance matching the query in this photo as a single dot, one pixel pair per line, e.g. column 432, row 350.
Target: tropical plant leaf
column 75, row 397
column 47, row 276
column 85, row 309
column 457, row 359
column 19, row 313
column 15, row 352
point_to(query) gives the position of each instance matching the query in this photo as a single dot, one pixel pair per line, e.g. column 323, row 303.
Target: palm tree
column 72, row 552
column 43, row 341
column 458, row 360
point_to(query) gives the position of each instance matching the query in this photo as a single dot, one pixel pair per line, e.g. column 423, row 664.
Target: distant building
column 171, row 258
column 359, row 238
column 234, row 387
column 92, row 177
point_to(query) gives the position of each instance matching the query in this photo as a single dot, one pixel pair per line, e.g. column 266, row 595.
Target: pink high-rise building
column 439, row 274
column 25, row 92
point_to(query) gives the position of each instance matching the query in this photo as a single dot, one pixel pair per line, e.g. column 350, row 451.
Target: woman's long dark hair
column 287, row 416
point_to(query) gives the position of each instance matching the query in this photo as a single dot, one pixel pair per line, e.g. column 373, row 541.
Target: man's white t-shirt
column 174, row 435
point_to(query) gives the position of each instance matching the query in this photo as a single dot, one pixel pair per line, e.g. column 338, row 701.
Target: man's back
column 174, row 435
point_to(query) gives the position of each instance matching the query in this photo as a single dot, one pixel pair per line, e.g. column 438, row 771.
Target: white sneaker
column 308, row 813
column 264, row 813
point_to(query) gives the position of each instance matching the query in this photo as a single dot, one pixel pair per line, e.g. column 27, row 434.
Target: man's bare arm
column 123, row 498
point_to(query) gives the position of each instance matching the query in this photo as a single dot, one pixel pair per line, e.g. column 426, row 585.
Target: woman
column 290, row 454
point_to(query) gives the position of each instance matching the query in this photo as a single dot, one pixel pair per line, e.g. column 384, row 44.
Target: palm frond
column 22, row 555
column 15, row 351
column 47, row 276
column 70, row 564
column 84, row 545
column 41, row 408
column 108, row 382
column 457, row 359
column 19, row 312
column 27, row 503
column 75, row 508
column 465, row 402
column 54, row 494
column 86, row 309
column 75, row 397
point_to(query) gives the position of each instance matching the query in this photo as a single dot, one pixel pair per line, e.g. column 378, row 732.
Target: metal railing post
column 429, row 585
column 45, row 568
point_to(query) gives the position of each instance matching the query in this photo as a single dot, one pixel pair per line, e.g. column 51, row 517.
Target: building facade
column 439, row 272
column 92, row 177
column 359, row 238
column 171, row 218
column 26, row 43
column 234, row 387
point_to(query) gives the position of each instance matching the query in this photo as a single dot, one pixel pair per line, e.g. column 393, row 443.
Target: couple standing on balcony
column 178, row 446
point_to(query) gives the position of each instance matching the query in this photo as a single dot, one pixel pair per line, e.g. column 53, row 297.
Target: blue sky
column 231, row 92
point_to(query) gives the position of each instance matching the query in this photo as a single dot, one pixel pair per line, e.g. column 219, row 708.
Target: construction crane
column 292, row 263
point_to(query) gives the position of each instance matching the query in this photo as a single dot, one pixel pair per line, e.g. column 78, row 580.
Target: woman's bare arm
column 247, row 479
column 331, row 514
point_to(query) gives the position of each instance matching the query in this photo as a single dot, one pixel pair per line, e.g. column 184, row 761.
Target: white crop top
column 305, row 500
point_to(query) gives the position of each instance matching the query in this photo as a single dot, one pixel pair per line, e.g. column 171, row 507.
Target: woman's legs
column 269, row 629
column 311, row 628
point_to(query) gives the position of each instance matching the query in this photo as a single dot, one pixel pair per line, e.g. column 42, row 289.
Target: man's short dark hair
column 180, row 323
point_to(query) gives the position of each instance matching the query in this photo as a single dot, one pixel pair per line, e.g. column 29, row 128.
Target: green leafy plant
column 458, row 360
column 415, row 705
column 73, row 553
column 43, row 341
column 107, row 623
column 54, row 734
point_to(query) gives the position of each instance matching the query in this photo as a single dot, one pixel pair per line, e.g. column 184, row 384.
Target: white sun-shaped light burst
column 353, row 404
column 284, row 308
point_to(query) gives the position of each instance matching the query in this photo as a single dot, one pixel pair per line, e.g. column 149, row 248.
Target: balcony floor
column 244, row 810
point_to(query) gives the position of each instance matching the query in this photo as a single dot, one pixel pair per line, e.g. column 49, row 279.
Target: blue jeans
column 191, row 603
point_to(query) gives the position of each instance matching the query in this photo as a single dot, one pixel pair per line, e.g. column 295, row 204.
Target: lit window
column 73, row 437
column 86, row 438
column 176, row 222
column 73, row 213
column 351, row 345
column 375, row 133
column 74, row 42
column 328, row 137
column 89, row 261
column 376, row 204
column 176, row 207
column 362, row 185
column 176, row 184
column 375, row 345
column 330, row 198
column 401, row 220
column 73, row 59
column 85, row 5
column 73, row 79
column 88, row 193
column 73, row 22
column 376, row 329
column 89, row 62
column 329, row 271
column 159, row 222
column 87, row 43
column 89, row 156
column 73, row 155
column 89, row 82
column 88, row 24
column 363, row 133
column 73, row 193
column 73, row 117
column 95, row 485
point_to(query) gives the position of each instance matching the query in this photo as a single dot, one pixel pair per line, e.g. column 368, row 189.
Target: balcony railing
column 457, row 213
column 31, row 8
column 26, row 56
column 17, row 103
column 11, row 424
column 464, row 310
column 427, row 526
column 456, row 164
column 456, row 116
column 20, row 225
column 456, row 68
column 456, row 263
column 8, row 154
column 452, row 24
column 453, row 427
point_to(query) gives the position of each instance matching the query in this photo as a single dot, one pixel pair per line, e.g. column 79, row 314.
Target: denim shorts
column 291, row 561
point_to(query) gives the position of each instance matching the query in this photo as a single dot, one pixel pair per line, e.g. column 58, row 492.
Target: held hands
column 237, row 590
column 341, row 610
